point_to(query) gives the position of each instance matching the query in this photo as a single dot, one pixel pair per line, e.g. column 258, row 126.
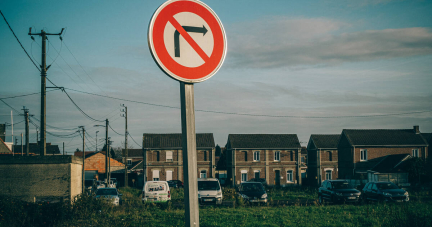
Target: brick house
column 95, row 164
column 164, row 156
column 274, row 157
column 361, row 150
column 322, row 158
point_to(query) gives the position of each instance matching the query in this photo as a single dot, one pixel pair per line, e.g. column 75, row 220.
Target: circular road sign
column 187, row 40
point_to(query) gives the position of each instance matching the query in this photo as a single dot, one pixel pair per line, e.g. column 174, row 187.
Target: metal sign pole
column 189, row 154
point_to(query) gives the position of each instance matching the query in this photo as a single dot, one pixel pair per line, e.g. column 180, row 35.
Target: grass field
column 89, row 212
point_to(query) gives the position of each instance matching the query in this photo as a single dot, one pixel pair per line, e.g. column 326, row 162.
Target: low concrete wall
column 41, row 178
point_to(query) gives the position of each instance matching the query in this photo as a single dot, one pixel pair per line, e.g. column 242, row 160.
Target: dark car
column 253, row 192
column 175, row 184
column 337, row 191
column 259, row 180
column 384, row 191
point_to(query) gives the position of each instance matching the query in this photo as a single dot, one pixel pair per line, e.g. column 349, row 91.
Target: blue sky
column 285, row 58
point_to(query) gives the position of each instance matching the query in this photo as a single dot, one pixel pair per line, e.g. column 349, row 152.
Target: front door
column 277, row 177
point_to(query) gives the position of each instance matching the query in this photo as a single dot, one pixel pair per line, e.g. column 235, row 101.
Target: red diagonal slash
column 189, row 39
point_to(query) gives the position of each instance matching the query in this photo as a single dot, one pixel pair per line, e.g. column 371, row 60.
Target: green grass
column 87, row 211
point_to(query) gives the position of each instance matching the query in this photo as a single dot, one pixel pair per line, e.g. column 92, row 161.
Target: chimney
column 416, row 129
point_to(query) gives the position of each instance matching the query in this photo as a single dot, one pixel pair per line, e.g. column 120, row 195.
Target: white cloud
column 280, row 41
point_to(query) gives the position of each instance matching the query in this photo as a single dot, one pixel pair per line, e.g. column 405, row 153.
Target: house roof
column 3, row 147
column 136, row 165
column 134, row 153
column 382, row 137
column 322, row 141
column 174, row 140
column 391, row 163
column 87, row 153
column 265, row 141
column 34, row 148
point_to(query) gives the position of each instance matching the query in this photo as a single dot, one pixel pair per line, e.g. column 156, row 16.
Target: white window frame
column 169, row 156
column 327, row 176
column 129, row 162
column 415, row 153
column 289, row 176
column 256, row 156
column 277, row 156
column 156, row 173
column 363, row 155
column 203, row 174
column 169, row 173
column 244, row 176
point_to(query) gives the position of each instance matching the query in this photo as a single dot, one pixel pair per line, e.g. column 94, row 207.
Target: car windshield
column 252, row 187
column 208, row 185
column 107, row 192
column 341, row 185
column 384, row 186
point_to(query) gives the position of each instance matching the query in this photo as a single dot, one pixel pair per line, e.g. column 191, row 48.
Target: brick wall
column 41, row 177
column 378, row 152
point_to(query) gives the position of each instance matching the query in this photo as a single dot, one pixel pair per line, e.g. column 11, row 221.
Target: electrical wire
column 134, row 140
column 19, row 42
column 82, row 111
column 115, row 131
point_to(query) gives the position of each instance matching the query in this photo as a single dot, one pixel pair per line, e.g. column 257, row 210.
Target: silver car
column 110, row 194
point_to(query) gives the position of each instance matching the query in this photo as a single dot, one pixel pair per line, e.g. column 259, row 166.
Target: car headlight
column 264, row 196
column 339, row 194
column 386, row 194
column 406, row 193
column 219, row 193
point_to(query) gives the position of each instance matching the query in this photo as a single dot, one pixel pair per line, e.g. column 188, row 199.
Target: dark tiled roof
column 389, row 164
column 265, row 141
column 34, row 148
column 325, row 141
column 174, row 140
column 391, row 137
column 136, row 165
column 87, row 153
column 134, row 153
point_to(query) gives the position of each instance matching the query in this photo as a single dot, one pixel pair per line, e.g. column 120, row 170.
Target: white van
column 156, row 191
column 209, row 191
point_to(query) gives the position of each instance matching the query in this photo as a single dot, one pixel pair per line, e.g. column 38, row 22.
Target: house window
column 203, row 174
column 291, row 156
column 363, row 155
column 257, row 174
column 290, row 176
column 243, row 176
column 277, row 156
column 256, row 155
column 205, row 155
column 330, row 156
column 303, row 159
column 328, row 174
column 169, row 156
column 129, row 162
column 245, row 155
column 157, row 156
column 168, row 175
column 155, row 175
column 415, row 153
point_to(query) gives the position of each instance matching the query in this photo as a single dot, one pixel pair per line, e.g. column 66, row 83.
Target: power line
column 115, row 131
column 19, row 42
column 82, row 111
column 256, row 115
column 134, row 140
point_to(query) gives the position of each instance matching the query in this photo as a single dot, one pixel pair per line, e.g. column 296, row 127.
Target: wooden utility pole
column 44, row 69
column 83, row 169
column 22, row 145
column 26, row 116
column 106, row 146
column 189, row 154
column 63, row 148
column 126, row 145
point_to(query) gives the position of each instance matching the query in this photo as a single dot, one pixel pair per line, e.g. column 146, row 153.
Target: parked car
column 114, row 182
column 156, row 191
column 110, row 194
column 253, row 192
column 384, row 191
column 99, row 184
column 337, row 191
column 209, row 191
column 259, row 180
column 175, row 184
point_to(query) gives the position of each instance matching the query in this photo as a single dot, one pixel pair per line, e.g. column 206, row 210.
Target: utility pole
column 27, row 132
column 109, row 161
column 22, row 145
column 83, row 169
column 44, row 69
column 107, row 149
column 63, row 148
column 126, row 144
column 96, row 140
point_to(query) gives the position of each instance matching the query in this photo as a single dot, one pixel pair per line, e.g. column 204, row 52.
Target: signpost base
column 189, row 154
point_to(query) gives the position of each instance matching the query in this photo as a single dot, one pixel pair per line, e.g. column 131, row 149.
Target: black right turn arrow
column 187, row 29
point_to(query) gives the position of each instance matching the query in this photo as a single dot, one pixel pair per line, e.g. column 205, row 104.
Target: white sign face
column 187, row 40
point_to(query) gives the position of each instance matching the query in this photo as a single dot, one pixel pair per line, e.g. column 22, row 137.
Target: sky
column 292, row 67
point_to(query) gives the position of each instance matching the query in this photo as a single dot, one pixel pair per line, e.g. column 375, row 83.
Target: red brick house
column 322, row 158
column 274, row 157
column 360, row 150
column 164, row 156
